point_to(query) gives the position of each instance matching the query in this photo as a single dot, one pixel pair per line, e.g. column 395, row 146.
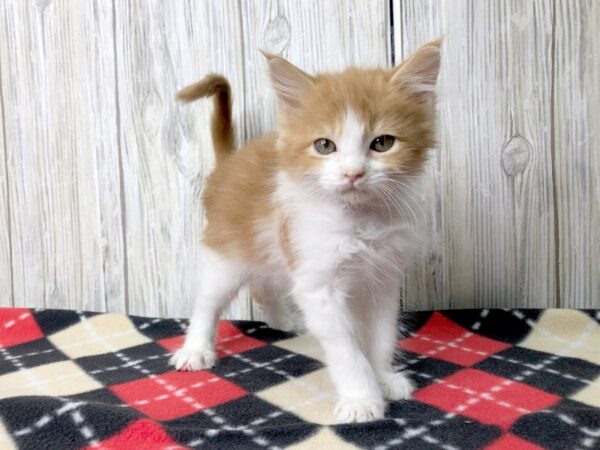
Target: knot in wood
column 276, row 36
column 515, row 155
column 41, row 5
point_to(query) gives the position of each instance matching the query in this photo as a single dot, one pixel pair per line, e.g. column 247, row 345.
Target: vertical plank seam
column 392, row 33
column 392, row 60
column 243, row 71
column 244, row 86
column 121, row 174
column 587, row 299
column 557, row 283
column 8, row 206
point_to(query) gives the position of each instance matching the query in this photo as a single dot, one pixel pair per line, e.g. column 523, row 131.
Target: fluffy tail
column 221, row 127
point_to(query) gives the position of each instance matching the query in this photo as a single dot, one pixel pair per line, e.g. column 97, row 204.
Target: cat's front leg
column 382, row 324
column 329, row 318
column 221, row 278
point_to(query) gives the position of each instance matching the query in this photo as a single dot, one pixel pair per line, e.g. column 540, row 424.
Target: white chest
column 331, row 242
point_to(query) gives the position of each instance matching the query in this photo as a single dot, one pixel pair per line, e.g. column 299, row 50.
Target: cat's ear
column 418, row 74
column 289, row 82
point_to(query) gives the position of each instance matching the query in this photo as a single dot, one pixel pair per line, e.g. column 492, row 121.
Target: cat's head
column 359, row 133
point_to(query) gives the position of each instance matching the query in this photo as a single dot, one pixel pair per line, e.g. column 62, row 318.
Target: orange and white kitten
column 320, row 209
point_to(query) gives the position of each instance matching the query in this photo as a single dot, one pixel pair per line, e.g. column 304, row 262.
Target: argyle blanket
column 494, row 379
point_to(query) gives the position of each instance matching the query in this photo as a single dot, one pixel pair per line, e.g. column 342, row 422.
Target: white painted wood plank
column 576, row 128
column 167, row 151
column 6, row 297
column 58, row 88
column 502, row 114
column 498, row 161
column 495, row 217
column 415, row 23
column 314, row 35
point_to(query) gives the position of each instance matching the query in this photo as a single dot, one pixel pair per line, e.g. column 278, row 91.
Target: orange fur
column 321, row 209
column 222, row 129
column 380, row 105
column 238, row 197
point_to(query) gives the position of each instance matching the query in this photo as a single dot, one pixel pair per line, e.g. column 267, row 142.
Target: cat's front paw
column 350, row 410
column 193, row 358
column 396, row 386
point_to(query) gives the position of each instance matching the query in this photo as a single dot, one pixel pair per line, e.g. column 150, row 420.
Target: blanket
column 489, row 378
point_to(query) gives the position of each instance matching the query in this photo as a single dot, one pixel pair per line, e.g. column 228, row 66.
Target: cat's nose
column 354, row 176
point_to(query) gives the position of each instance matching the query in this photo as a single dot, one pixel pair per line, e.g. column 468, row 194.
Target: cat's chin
column 355, row 196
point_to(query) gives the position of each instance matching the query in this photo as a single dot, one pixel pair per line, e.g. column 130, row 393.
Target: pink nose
column 354, row 176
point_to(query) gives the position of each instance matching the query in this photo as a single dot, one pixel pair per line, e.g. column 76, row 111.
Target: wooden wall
column 100, row 170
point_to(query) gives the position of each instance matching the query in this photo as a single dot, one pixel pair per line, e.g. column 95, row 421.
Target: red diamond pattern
column 512, row 442
column 17, row 326
column 487, row 398
column 522, row 398
column 443, row 339
column 176, row 394
column 144, row 434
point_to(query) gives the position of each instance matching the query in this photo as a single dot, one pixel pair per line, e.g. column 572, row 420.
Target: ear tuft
column 290, row 83
column 418, row 74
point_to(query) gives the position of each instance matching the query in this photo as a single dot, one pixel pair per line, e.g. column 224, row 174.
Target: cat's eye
column 382, row 143
column 324, row 146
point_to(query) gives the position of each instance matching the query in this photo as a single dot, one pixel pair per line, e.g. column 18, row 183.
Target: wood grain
column 6, row 296
column 414, row 24
column 101, row 170
column 494, row 210
column 59, row 115
column 166, row 148
column 314, row 35
column 576, row 128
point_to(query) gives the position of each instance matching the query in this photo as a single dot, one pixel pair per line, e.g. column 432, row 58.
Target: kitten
column 320, row 209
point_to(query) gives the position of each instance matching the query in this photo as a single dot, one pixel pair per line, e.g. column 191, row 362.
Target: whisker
column 413, row 195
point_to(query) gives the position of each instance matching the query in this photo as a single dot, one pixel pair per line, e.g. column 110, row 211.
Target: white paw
column 396, row 386
column 190, row 358
column 358, row 410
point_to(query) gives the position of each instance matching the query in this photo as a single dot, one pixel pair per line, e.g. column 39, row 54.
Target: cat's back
column 238, row 194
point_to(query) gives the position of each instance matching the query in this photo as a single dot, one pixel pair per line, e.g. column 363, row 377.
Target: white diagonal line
column 12, row 322
column 170, row 387
column 453, row 344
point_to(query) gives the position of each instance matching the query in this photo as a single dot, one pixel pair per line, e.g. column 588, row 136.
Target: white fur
column 351, row 251
column 221, row 279
column 350, row 262
column 350, row 155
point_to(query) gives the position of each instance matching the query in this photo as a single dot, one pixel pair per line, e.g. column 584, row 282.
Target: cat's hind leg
column 221, row 278
column 270, row 293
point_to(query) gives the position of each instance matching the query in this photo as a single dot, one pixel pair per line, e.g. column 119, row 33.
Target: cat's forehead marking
column 352, row 132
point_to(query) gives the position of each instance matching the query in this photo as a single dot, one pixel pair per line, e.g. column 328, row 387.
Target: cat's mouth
column 354, row 193
column 350, row 188
column 348, row 185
